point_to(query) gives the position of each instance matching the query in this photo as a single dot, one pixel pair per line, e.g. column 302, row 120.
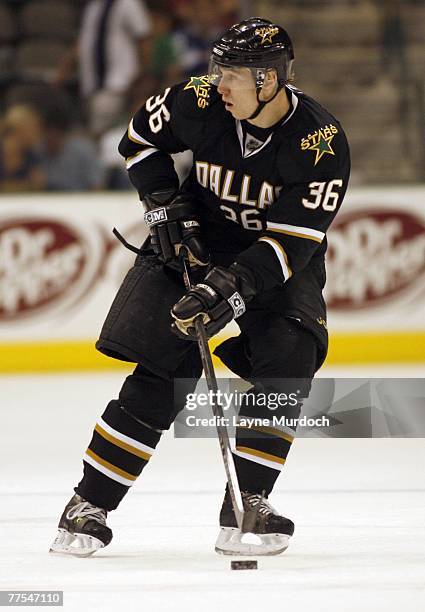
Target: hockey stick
column 245, row 521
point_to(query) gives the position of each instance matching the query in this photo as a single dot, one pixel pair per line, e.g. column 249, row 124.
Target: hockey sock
column 259, row 456
column 266, row 430
column 120, row 448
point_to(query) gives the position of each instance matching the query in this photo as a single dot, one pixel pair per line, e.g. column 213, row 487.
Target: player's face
column 238, row 92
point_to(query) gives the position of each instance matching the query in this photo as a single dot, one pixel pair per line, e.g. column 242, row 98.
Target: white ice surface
column 358, row 505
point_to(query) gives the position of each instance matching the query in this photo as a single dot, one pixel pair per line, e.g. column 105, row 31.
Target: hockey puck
column 243, row 565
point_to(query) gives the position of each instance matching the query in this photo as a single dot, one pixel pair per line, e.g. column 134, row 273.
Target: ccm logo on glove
column 155, row 216
column 237, row 303
column 171, row 219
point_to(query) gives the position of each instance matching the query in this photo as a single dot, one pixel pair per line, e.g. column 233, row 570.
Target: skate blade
column 76, row 545
column 230, row 541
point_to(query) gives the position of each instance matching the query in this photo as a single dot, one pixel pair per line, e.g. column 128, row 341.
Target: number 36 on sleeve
column 324, row 195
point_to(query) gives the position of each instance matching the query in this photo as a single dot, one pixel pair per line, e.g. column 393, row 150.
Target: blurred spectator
column 116, row 175
column 69, row 159
column 162, row 65
column 194, row 36
column 181, row 10
column 20, row 159
column 112, row 39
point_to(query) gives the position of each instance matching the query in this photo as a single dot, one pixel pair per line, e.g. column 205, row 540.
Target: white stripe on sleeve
column 133, row 135
column 281, row 255
column 135, row 159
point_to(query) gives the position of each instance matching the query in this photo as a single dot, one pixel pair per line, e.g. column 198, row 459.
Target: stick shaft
column 222, row 433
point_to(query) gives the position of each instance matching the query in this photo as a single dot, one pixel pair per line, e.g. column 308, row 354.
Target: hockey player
column 270, row 170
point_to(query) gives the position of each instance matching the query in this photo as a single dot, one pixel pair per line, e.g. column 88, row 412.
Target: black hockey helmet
column 257, row 44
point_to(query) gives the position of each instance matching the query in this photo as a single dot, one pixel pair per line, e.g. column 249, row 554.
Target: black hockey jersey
column 265, row 197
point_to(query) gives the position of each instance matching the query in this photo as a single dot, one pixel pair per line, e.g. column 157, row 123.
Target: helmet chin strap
column 262, row 103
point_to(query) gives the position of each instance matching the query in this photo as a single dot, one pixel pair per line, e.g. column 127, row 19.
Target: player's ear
column 270, row 82
column 270, row 77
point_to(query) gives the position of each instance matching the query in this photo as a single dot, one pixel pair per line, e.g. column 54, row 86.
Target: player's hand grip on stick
column 220, row 298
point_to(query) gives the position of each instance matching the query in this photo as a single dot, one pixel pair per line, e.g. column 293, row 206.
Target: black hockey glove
column 171, row 219
column 219, row 299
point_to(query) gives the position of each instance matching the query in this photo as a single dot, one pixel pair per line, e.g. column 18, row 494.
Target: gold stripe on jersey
column 281, row 255
column 297, row 235
column 141, row 150
column 296, row 230
column 260, row 456
column 124, row 445
column 112, row 468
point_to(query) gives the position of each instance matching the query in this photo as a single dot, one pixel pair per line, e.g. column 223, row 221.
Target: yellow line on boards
column 391, row 347
column 82, row 355
column 56, row 357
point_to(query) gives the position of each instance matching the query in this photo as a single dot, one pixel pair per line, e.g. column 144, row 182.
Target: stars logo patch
column 320, row 142
column 201, row 86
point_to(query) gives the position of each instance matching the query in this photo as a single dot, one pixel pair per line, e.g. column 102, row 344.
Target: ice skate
column 82, row 529
column 272, row 531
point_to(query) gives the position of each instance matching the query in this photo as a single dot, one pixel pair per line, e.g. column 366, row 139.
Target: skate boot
column 82, row 529
column 272, row 531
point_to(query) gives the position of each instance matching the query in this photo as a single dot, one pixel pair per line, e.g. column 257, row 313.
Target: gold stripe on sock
column 111, row 467
column 121, row 444
column 261, row 454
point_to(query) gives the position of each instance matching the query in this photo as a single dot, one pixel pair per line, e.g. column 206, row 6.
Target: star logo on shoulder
column 322, row 146
column 266, row 34
column 320, row 142
column 196, row 83
column 201, row 86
